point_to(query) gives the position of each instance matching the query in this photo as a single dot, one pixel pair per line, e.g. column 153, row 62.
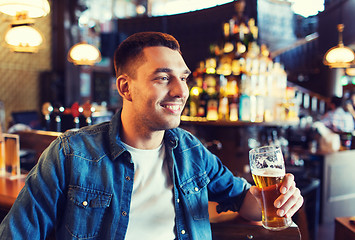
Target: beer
column 268, row 170
column 269, row 182
column 2, row 157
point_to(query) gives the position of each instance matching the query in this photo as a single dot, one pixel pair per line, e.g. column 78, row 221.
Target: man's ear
column 123, row 88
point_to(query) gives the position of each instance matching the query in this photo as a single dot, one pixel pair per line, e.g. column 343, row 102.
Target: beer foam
column 269, row 172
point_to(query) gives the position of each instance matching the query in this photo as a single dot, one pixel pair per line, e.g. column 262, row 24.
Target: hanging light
column 23, row 38
column 33, row 8
column 339, row 56
column 84, row 54
column 350, row 71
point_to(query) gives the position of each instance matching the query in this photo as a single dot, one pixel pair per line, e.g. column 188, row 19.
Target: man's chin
column 172, row 123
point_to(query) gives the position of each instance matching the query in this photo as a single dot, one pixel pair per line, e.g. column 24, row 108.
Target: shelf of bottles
column 239, row 83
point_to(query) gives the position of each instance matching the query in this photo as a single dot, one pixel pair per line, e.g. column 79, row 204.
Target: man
column 338, row 119
column 138, row 176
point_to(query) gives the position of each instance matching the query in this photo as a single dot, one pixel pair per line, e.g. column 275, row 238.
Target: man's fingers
column 287, row 182
column 295, row 207
column 281, row 200
column 289, row 203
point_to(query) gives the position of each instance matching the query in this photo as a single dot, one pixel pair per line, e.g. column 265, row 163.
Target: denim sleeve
column 225, row 188
column 35, row 210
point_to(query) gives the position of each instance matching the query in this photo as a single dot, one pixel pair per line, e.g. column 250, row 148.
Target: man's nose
column 179, row 89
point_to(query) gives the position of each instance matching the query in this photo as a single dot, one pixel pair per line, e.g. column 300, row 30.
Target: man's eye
column 162, row 78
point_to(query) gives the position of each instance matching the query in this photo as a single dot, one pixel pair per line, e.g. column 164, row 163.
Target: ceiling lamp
column 23, row 38
column 339, row 56
column 84, row 54
column 350, row 71
column 33, row 8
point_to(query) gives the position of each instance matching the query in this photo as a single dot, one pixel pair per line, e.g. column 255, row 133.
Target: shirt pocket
column 85, row 210
column 196, row 195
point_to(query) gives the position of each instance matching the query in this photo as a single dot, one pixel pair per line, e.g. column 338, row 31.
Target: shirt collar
column 116, row 146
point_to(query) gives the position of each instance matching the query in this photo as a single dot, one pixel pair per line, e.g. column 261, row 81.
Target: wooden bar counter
column 344, row 229
column 9, row 189
column 231, row 226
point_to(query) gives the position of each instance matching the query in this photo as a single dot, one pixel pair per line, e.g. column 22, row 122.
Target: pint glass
column 268, row 170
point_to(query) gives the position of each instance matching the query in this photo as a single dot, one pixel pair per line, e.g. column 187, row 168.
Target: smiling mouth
column 172, row 107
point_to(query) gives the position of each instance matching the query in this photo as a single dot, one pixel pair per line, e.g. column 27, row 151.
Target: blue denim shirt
column 82, row 187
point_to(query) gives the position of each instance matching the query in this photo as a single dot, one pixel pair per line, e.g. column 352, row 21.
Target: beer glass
column 268, row 170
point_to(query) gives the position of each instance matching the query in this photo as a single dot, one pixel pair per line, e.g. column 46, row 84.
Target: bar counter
column 9, row 189
column 231, row 226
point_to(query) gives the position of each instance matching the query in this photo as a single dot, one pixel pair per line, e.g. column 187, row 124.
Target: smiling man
column 138, row 176
column 154, row 95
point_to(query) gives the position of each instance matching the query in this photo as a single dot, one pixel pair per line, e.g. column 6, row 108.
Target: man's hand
column 290, row 199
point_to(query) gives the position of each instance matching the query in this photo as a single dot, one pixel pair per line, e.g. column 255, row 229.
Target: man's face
column 353, row 99
column 159, row 90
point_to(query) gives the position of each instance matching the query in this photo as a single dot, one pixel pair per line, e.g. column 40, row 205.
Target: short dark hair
column 337, row 101
column 130, row 50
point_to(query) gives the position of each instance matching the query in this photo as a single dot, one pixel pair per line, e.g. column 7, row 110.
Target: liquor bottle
column 212, row 101
column 223, row 109
column 229, row 41
column 223, row 106
column 244, row 108
column 194, row 98
column 203, row 99
column 260, row 109
column 233, row 108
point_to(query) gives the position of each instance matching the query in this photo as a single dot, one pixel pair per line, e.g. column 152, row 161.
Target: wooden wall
column 20, row 72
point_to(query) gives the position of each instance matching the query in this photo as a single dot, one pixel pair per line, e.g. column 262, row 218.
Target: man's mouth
column 174, row 108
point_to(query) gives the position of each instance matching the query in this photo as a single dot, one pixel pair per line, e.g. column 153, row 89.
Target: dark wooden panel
column 36, row 140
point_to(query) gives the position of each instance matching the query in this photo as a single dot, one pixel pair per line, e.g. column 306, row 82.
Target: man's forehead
column 164, row 58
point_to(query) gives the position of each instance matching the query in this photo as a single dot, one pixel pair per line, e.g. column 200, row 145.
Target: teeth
column 173, row 107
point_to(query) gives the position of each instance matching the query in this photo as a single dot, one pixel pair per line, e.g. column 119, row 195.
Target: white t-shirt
column 152, row 212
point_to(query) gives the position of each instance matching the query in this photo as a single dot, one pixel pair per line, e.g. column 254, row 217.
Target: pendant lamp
column 339, row 56
column 84, row 54
column 33, row 8
column 350, row 71
column 23, row 38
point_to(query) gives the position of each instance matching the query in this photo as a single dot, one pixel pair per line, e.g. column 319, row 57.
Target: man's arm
column 287, row 203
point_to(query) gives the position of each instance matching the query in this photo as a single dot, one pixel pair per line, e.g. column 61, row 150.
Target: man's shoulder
column 89, row 136
column 88, row 131
column 92, row 142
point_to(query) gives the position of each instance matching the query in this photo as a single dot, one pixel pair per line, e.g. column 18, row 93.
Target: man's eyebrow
column 187, row 71
column 168, row 70
column 164, row 70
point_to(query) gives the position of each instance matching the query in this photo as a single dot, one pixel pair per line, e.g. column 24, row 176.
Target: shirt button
column 183, row 232
column 85, row 203
column 128, row 178
column 178, row 200
column 196, row 189
column 124, row 213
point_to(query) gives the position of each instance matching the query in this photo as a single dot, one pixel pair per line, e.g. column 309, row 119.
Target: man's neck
column 139, row 138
